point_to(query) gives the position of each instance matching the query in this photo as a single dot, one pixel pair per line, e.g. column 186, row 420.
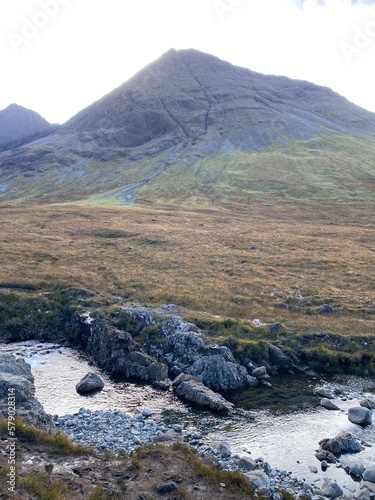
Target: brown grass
column 276, row 263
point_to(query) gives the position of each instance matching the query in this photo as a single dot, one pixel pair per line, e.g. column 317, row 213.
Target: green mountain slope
column 191, row 128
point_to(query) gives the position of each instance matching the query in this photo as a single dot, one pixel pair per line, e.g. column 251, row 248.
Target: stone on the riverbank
column 356, row 470
column 360, row 415
column 369, row 474
column 260, row 373
column 368, row 485
column 224, row 449
column 326, row 456
column 258, row 479
column 89, row 383
column 247, row 464
column 328, row 404
column 193, row 390
column 344, row 442
column 278, row 358
column 331, row 489
column 368, row 403
column 313, row 469
column 320, row 391
column 363, row 494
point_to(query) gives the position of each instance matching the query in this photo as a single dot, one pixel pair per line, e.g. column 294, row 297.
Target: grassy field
column 274, row 262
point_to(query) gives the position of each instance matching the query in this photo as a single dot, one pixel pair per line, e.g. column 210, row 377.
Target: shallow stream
column 282, row 424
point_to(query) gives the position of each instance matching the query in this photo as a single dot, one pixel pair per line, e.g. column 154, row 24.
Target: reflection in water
column 283, row 424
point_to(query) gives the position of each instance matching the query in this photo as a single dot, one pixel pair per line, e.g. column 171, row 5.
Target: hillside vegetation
column 275, row 263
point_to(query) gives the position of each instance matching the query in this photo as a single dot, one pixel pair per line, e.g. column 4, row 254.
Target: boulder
column 326, row 456
column 278, row 358
column 363, row 494
column 369, row 486
column 344, row 442
column 325, row 309
column 16, row 379
column 89, row 383
column 331, row 489
column 193, row 390
column 320, row 391
column 221, row 375
column 368, row 403
column 260, row 373
column 258, row 479
column 369, row 474
column 224, row 449
column 328, row 404
column 247, row 463
column 356, row 470
column 360, row 415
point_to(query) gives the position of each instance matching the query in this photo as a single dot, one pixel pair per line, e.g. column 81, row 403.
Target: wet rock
column 328, row 404
column 258, row 479
column 89, row 383
column 224, row 449
column 369, row 474
column 17, row 380
column 313, row 469
column 326, row 456
column 368, row 403
column 193, row 390
column 247, row 463
column 360, row 415
column 344, row 442
column 363, row 494
column 331, row 489
column 260, row 373
column 278, row 358
column 369, row 486
column 356, row 470
column 320, row 391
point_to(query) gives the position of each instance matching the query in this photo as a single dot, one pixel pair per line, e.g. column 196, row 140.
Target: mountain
column 192, row 127
column 19, row 125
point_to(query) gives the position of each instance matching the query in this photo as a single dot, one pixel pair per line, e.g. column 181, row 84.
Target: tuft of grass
column 39, row 485
column 57, row 443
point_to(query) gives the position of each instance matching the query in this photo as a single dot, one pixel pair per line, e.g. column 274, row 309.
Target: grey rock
column 260, row 373
column 258, row 479
column 369, row 486
column 16, row 377
column 363, row 494
column 115, row 350
column 275, row 327
column 344, row 442
column 368, row 403
column 89, row 383
column 193, row 390
column 331, row 489
column 325, row 309
column 328, row 404
column 369, row 474
column 278, row 358
column 320, row 391
column 356, row 470
column 247, row 463
column 360, row 415
column 313, row 469
column 224, row 449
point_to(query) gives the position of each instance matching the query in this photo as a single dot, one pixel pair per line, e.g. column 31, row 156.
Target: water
column 282, row 424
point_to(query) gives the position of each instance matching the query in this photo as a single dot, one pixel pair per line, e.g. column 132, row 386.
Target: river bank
column 284, row 439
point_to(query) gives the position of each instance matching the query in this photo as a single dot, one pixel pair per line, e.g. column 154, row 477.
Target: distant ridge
column 189, row 125
column 19, row 125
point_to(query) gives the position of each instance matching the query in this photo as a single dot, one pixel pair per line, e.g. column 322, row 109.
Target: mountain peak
column 19, row 125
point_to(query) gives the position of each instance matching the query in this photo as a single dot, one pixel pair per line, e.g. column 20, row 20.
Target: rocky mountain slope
column 19, row 125
column 190, row 126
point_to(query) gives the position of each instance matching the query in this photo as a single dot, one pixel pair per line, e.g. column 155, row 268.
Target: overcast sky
column 59, row 56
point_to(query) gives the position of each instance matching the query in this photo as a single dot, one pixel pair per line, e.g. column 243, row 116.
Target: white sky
column 59, row 56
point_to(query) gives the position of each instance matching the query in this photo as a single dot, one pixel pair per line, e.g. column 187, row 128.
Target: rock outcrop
column 179, row 344
column 343, row 443
column 16, row 379
column 279, row 359
column 194, row 391
column 115, row 350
